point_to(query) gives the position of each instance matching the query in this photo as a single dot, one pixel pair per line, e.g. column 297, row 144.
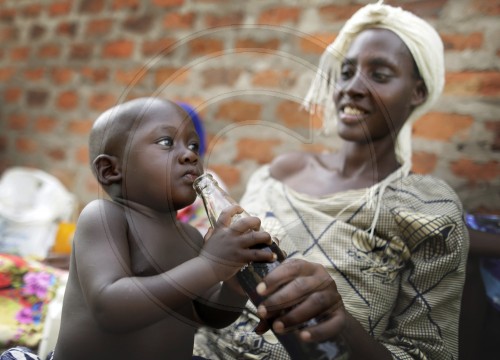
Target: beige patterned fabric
column 403, row 284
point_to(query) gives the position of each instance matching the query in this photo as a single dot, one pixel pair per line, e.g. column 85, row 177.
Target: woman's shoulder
column 289, row 164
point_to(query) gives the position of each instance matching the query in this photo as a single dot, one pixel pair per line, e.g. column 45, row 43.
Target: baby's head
column 146, row 151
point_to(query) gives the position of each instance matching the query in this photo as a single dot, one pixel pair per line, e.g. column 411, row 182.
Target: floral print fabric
column 26, row 288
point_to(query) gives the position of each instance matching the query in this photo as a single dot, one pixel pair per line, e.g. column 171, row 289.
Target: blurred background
column 245, row 66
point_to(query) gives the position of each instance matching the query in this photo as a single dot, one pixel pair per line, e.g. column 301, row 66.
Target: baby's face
column 161, row 159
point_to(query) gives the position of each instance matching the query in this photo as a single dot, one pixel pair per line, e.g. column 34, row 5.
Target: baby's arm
column 123, row 302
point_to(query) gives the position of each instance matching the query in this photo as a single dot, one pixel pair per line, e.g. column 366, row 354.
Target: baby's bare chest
column 154, row 250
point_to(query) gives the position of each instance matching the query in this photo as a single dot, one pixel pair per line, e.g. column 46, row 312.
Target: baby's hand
column 228, row 246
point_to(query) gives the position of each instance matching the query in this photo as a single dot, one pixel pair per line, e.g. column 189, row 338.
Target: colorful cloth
column 403, row 284
column 489, row 267
column 26, row 288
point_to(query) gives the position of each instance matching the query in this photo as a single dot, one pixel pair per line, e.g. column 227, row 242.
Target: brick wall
column 246, row 65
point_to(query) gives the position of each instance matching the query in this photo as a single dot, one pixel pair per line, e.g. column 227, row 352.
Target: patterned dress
column 402, row 280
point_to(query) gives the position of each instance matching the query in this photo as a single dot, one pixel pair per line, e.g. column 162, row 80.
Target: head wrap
column 424, row 44
column 198, row 125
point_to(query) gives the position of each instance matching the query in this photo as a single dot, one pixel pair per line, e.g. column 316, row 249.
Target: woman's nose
column 356, row 86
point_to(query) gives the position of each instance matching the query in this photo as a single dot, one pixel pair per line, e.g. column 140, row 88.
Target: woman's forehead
column 378, row 41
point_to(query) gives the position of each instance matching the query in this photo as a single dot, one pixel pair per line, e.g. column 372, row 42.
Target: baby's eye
column 165, row 142
column 194, row 147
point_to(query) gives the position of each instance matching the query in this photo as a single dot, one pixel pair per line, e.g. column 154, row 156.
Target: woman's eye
column 165, row 142
column 346, row 73
column 380, row 76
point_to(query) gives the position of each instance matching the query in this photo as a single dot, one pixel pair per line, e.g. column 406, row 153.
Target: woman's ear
column 107, row 169
column 419, row 93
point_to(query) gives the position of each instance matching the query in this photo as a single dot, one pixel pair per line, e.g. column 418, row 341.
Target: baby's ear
column 107, row 169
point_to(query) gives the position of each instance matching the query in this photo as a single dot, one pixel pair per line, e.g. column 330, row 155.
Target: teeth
column 352, row 111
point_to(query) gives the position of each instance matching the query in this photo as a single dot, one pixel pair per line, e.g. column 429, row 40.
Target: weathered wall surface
column 245, row 65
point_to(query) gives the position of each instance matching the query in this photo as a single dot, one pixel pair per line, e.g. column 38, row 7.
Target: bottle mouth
column 202, row 181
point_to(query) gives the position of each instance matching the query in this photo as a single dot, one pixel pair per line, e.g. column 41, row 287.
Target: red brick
column 56, row 154
column 45, row 124
column 316, row 43
column 67, row 100
column 475, row 171
column 67, row 29
column 6, row 73
column 26, row 145
column 487, row 7
column 49, row 51
column 32, row 10
column 332, row 12
column 102, row 101
column 37, row 31
column 274, row 78
column 494, row 127
column 80, row 127
column 118, row 49
column 4, row 144
column 7, row 15
column 139, row 24
column 82, row 155
column 126, row 4
column 234, row 18
column 156, row 47
column 95, row 75
column 459, row 42
column 228, row 174
column 442, row 126
column 8, row 35
column 61, row 76
column 468, row 83
column 292, row 115
column 19, row 53
column 168, row 3
column 12, row 94
column 60, row 8
column 238, row 110
column 36, row 97
column 34, row 74
column 99, row 26
column 423, row 162
column 244, row 44
column 220, row 76
column 178, row 21
column 423, row 8
column 81, row 51
column 167, row 76
column 130, row 77
column 92, row 186
column 203, row 46
column 279, row 15
column 261, row 151
column 18, row 122
column 65, row 176
column 91, row 6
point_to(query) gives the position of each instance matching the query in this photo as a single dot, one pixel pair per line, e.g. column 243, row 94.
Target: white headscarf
column 424, row 44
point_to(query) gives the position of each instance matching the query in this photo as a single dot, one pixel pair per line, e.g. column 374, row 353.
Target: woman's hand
column 298, row 291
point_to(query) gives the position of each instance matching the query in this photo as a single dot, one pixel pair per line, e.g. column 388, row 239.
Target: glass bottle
column 215, row 199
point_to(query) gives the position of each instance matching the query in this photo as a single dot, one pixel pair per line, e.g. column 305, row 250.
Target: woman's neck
column 373, row 161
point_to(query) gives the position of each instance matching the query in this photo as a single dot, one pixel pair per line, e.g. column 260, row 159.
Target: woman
column 382, row 251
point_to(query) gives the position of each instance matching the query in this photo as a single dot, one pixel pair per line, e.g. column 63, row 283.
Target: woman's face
column 378, row 87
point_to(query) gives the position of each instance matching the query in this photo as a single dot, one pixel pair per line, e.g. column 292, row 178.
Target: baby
column 141, row 281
